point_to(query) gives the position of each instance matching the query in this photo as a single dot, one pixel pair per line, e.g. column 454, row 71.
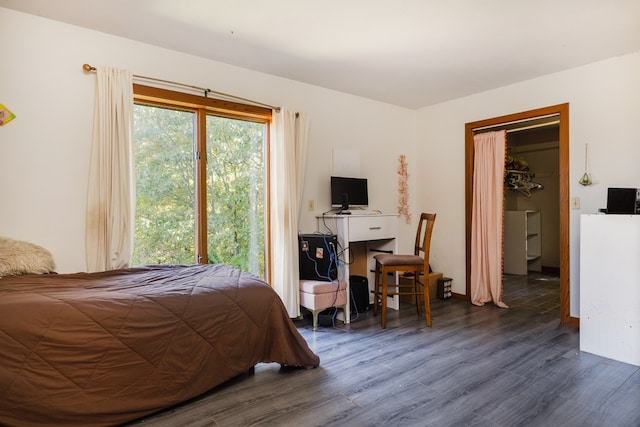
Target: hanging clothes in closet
column 519, row 178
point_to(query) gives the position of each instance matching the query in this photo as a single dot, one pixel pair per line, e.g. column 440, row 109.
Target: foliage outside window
column 235, row 192
column 200, row 181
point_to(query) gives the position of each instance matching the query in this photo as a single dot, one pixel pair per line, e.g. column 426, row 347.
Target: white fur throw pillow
column 19, row 257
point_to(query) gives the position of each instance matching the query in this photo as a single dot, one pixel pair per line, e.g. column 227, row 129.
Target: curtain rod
column 89, row 68
column 504, row 125
column 539, row 125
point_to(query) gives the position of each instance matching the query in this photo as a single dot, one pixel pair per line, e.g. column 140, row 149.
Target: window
column 201, row 179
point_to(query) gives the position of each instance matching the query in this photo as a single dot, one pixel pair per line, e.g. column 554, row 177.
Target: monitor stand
column 344, row 209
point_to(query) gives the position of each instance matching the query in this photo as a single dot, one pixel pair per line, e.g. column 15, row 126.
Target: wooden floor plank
column 477, row 366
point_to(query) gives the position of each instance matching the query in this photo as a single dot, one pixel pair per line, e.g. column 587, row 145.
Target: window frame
column 202, row 106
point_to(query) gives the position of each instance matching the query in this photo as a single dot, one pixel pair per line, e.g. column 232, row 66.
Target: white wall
column 44, row 152
column 604, row 111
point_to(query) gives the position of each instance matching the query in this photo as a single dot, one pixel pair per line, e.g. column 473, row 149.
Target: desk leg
column 347, row 307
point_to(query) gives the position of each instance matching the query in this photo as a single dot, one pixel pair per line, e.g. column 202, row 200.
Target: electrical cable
column 336, row 257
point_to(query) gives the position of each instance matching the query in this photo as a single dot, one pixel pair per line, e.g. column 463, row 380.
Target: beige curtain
column 110, row 199
column 287, row 158
column 487, row 218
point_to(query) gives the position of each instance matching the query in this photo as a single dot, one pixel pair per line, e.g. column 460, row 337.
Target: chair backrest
column 423, row 237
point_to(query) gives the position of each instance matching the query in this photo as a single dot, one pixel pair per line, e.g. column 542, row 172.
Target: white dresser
column 610, row 286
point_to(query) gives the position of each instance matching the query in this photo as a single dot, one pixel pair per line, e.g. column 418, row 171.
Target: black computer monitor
column 349, row 192
column 621, row 200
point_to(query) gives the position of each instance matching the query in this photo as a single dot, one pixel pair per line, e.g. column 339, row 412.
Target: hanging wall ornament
column 586, row 177
column 403, row 189
column 5, row 115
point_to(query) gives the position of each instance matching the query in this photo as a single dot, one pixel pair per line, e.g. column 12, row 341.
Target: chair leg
column 383, row 309
column 376, row 289
column 427, row 302
column 416, row 287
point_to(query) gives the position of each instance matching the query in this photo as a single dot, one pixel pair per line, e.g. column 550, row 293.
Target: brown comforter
column 106, row 348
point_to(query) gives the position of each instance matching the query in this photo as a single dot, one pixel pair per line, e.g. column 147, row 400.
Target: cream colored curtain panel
column 110, row 199
column 287, row 157
column 487, row 218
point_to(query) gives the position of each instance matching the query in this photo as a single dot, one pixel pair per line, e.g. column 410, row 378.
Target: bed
column 107, row 348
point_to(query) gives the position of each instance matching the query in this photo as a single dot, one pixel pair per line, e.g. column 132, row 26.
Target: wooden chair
column 417, row 265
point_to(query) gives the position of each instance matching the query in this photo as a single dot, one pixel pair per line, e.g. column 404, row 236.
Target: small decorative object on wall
column 586, row 177
column 5, row 115
column 403, row 189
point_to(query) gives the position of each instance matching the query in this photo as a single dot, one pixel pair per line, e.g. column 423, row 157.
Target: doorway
column 562, row 112
column 531, row 193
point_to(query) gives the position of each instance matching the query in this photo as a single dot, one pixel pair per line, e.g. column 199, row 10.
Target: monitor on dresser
column 623, row 201
column 347, row 192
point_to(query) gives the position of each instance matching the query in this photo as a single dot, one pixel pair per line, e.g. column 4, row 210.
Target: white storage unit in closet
column 522, row 247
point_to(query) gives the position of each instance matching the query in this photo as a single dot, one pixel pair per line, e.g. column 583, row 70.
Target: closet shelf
column 522, row 242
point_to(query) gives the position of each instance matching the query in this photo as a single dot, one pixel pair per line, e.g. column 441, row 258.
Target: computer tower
column 318, row 256
column 359, row 286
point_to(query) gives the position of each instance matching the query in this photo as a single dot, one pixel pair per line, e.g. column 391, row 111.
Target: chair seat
column 396, row 259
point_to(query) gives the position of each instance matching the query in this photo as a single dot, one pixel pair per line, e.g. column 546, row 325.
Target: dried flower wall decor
column 403, row 189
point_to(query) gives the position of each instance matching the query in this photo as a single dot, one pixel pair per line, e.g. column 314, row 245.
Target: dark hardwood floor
column 477, row 366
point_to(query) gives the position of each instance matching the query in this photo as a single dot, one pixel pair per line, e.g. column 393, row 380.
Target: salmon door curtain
column 489, row 151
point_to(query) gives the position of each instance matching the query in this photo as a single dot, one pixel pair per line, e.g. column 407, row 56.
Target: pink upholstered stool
column 317, row 296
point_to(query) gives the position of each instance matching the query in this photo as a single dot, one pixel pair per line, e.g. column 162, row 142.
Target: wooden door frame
column 562, row 110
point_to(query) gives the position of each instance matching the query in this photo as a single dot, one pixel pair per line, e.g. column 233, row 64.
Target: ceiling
column 411, row 53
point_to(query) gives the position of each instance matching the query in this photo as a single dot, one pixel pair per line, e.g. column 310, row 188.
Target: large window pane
column 235, row 193
column 208, row 207
column 165, row 188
